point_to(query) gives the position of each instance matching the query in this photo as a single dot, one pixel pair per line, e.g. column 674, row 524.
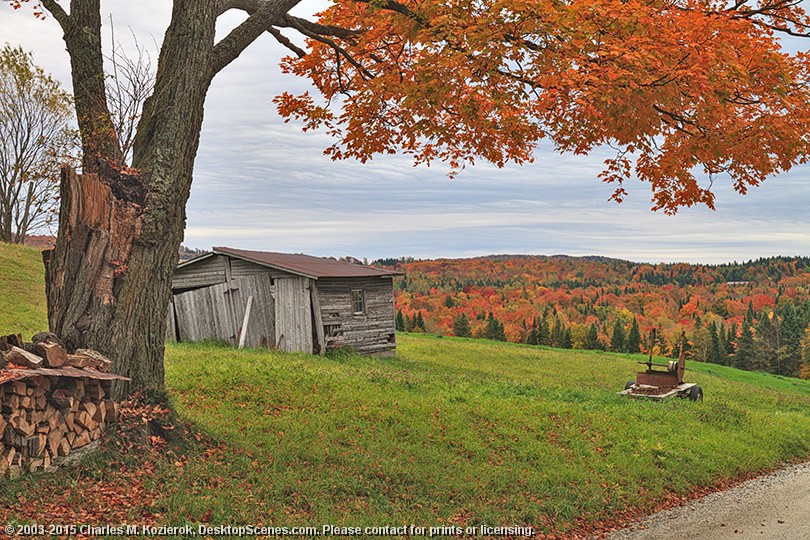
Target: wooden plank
column 242, row 268
column 204, row 273
column 244, row 330
column 260, row 327
column 318, row 319
column 202, row 314
column 293, row 321
column 171, row 323
column 230, row 298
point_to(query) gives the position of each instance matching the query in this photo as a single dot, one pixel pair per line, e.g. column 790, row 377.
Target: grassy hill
column 450, row 432
column 469, row 430
column 22, row 290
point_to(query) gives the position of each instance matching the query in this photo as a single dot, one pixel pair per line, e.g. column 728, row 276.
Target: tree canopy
column 687, row 92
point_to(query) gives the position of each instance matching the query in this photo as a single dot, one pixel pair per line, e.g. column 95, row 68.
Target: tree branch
column 320, row 29
column 281, row 38
column 402, row 9
column 337, row 48
column 263, row 15
column 58, row 13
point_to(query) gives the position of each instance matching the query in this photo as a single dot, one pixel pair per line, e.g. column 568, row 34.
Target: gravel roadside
column 775, row 506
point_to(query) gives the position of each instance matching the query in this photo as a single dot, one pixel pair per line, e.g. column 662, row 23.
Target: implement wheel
column 696, row 393
column 629, row 385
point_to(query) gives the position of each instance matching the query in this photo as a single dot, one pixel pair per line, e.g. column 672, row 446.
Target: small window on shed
column 358, row 302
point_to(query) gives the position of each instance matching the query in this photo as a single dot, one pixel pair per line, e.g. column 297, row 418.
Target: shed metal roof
column 304, row 265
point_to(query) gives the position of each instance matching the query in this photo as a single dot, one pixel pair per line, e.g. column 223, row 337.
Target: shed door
column 260, row 328
column 204, row 314
column 293, row 315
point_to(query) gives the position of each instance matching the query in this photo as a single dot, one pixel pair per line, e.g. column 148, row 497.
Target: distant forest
column 753, row 315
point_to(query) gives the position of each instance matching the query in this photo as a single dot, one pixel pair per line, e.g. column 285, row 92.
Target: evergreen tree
column 557, row 333
column 566, row 340
column 745, row 357
column 420, row 323
column 592, row 338
column 543, row 334
column 617, row 343
column 790, row 354
column 750, row 314
column 716, row 353
column 731, row 339
column 448, row 301
column 532, row 338
column 634, row 338
column 494, row 329
column 400, row 321
column 461, row 326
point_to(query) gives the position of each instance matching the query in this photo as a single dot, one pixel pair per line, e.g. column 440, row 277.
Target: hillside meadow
column 450, row 432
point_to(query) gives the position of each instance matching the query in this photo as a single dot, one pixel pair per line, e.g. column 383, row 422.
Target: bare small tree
column 36, row 137
column 130, row 79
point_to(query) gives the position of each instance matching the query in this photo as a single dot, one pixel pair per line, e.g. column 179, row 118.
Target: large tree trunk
column 109, row 276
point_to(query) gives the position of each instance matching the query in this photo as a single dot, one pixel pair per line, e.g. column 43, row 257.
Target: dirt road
column 776, row 506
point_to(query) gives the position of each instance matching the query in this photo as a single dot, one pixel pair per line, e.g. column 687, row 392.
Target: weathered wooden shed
column 292, row 302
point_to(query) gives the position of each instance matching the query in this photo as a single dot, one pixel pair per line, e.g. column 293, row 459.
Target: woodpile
column 53, row 402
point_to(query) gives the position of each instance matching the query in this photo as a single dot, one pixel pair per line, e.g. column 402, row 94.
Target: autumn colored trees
column 36, row 136
column 754, row 315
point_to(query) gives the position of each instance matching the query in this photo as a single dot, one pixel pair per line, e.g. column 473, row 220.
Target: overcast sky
column 262, row 184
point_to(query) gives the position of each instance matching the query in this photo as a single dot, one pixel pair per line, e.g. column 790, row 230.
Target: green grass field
column 450, row 432
column 467, row 430
column 22, row 290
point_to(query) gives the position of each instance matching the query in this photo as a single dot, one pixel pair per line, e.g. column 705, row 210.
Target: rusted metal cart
column 663, row 384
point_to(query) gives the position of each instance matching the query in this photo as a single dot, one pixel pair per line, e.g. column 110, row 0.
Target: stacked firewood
column 52, row 402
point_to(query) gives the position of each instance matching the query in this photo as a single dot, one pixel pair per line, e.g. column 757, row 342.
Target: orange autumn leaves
column 685, row 91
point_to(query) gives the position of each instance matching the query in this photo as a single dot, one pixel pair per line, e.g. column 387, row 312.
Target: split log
column 12, row 438
column 62, row 399
column 43, row 383
column 21, row 426
column 94, row 390
column 55, row 355
column 70, row 421
column 64, row 447
column 82, row 439
column 88, row 358
column 110, row 409
column 55, row 440
column 89, row 408
column 19, row 388
column 23, row 358
column 12, row 340
column 6, row 459
column 35, row 445
column 85, row 420
column 46, row 337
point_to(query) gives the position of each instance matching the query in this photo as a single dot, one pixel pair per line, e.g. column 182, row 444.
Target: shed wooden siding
column 373, row 332
column 209, row 271
column 293, row 315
